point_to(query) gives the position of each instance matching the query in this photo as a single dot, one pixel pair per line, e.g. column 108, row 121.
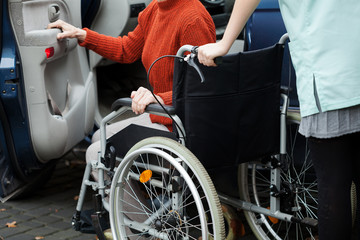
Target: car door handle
column 54, row 12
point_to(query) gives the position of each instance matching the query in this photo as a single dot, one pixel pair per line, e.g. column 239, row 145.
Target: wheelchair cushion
column 233, row 117
column 132, row 134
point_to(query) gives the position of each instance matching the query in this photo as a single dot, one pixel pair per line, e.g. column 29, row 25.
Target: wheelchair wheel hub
column 170, row 221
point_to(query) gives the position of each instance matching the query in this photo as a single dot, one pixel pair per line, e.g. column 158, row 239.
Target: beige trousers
column 94, row 148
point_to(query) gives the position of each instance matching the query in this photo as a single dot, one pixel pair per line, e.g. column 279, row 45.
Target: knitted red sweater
column 163, row 27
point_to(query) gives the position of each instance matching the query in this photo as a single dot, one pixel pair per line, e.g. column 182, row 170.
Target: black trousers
column 337, row 164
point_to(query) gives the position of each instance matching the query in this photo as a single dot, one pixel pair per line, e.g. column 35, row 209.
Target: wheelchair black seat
column 129, row 136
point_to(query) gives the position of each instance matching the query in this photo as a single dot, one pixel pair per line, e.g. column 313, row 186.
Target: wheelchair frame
column 102, row 186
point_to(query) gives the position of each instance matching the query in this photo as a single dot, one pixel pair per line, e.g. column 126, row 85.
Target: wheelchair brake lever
column 190, row 60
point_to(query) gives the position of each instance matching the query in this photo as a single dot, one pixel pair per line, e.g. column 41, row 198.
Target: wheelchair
column 159, row 185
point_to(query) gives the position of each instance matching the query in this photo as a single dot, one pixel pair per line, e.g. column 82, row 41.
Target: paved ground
column 47, row 214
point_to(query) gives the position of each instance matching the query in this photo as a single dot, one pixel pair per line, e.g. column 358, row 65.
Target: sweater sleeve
column 166, row 97
column 126, row 49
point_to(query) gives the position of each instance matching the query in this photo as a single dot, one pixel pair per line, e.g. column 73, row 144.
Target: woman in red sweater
column 163, row 27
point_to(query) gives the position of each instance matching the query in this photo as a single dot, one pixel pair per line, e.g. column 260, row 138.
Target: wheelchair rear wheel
column 161, row 191
column 299, row 192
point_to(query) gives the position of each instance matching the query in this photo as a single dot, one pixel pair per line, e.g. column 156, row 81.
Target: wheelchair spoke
column 133, row 195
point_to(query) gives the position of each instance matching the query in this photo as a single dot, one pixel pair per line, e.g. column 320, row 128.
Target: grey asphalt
column 47, row 213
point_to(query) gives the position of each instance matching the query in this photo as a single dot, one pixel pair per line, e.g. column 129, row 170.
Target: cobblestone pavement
column 47, row 213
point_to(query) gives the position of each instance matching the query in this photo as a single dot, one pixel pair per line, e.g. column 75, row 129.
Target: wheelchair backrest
column 233, row 116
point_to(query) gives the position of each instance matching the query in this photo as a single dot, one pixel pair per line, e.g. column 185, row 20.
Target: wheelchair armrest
column 153, row 107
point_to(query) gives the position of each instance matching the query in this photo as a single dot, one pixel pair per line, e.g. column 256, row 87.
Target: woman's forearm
column 240, row 14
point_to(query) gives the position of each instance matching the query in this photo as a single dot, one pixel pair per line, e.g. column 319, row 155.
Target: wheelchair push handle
column 194, row 50
column 217, row 60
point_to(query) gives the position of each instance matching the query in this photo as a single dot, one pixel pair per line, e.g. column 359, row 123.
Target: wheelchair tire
column 254, row 187
column 167, row 203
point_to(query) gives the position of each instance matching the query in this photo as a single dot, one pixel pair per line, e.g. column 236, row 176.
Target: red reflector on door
column 49, row 52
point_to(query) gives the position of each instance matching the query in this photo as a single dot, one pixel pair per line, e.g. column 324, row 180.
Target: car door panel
column 59, row 87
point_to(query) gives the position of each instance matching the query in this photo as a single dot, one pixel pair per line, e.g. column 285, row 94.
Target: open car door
column 48, row 103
